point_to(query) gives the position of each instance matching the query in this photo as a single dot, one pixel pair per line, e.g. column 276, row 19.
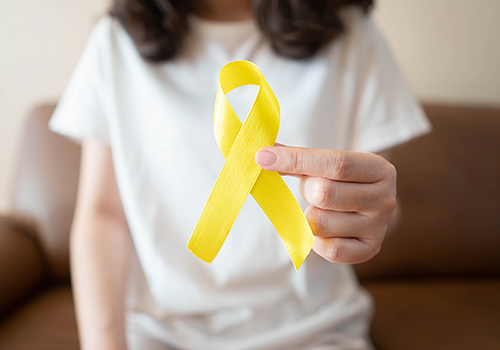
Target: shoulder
column 361, row 37
column 107, row 26
column 110, row 42
column 108, row 32
column 359, row 24
column 361, row 50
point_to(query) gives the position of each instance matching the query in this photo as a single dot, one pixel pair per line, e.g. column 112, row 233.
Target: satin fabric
column 240, row 175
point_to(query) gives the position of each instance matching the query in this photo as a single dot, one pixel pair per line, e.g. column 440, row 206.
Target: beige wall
column 40, row 41
column 448, row 49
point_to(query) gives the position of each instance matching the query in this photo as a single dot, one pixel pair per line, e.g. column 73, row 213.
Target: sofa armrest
column 22, row 268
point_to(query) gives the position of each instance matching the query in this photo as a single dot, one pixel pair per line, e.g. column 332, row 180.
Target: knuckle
column 340, row 164
column 296, row 162
column 391, row 172
column 333, row 252
column 388, row 203
column 323, row 193
column 316, row 219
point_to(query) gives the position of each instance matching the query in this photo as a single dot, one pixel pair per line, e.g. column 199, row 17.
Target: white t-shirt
column 157, row 119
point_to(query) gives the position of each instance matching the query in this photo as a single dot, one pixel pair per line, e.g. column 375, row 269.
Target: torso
column 166, row 162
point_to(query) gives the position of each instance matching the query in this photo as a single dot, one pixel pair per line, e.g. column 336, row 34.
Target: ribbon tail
column 274, row 197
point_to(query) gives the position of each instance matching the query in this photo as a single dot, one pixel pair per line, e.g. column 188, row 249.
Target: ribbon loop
column 240, row 175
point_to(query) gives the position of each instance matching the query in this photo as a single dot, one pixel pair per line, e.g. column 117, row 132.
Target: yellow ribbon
column 240, row 175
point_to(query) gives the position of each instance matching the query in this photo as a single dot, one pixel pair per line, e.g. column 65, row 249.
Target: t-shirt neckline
column 234, row 29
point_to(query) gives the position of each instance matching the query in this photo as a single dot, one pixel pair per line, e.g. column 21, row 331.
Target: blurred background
column 448, row 49
column 436, row 281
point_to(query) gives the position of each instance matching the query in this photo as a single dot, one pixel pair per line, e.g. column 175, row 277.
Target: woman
column 141, row 102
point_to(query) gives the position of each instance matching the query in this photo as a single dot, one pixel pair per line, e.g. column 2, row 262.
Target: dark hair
column 295, row 28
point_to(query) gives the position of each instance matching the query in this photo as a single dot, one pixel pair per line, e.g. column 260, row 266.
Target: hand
column 352, row 197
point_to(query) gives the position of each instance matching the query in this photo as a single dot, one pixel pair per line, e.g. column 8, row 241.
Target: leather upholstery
column 21, row 263
column 46, row 322
column 436, row 315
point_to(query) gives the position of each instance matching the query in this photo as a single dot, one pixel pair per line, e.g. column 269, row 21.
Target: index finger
column 333, row 164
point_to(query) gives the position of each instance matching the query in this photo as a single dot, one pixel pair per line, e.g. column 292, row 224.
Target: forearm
column 99, row 251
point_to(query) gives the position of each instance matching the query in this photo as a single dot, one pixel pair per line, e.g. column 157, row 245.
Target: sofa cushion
column 45, row 323
column 436, row 315
column 45, row 187
column 22, row 271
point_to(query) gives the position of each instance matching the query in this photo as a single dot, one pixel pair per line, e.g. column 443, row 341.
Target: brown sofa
column 436, row 282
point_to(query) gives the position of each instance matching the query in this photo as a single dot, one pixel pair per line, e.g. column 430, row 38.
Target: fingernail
column 266, row 158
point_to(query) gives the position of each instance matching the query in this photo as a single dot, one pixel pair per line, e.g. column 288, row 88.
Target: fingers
column 329, row 223
column 344, row 237
column 332, row 164
column 345, row 250
column 344, row 196
column 352, row 197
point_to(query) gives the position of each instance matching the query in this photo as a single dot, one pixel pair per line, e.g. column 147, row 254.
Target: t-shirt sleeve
column 386, row 112
column 81, row 111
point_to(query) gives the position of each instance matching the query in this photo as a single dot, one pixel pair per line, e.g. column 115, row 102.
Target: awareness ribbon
column 240, row 175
